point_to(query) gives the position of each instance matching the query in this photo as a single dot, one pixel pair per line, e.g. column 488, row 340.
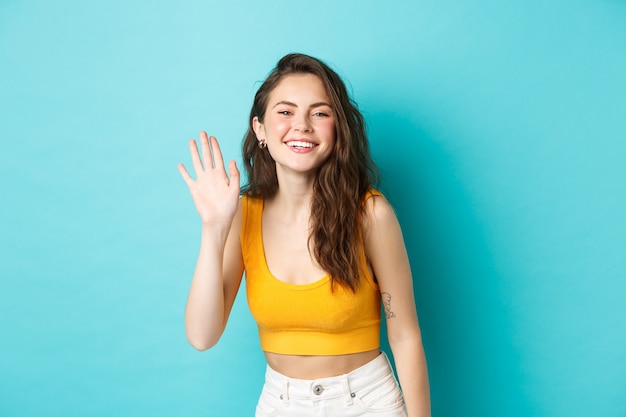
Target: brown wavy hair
column 342, row 181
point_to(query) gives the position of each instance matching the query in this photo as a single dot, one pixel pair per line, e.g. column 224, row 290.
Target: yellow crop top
column 306, row 319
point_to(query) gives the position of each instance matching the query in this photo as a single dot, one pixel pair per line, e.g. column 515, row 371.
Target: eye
column 284, row 112
column 321, row 114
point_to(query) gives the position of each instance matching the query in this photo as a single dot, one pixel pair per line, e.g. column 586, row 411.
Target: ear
column 259, row 130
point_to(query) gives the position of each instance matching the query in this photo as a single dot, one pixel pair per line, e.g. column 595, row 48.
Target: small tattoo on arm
column 387, row 305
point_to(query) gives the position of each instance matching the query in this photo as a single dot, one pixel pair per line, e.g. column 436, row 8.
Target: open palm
column 214, row 193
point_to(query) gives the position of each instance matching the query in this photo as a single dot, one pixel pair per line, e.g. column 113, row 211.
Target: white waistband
column 322, row 388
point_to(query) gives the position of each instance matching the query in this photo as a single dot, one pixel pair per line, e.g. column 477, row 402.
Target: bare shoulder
column 379, row 216
column 383, row 242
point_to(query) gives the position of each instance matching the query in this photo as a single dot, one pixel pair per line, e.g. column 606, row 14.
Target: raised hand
column 214, row 194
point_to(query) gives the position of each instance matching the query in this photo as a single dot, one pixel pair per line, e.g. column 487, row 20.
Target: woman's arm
column 384, row 247
column 219, row 267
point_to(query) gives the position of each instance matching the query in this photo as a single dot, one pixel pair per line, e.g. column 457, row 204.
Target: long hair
column 342, row 181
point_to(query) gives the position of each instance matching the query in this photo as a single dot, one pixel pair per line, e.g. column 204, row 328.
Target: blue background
column 500, row 130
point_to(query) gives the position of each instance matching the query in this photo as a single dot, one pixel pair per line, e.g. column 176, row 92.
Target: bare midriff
column 315, row 367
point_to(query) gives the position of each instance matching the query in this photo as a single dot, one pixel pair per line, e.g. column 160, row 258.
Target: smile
column 300, row 144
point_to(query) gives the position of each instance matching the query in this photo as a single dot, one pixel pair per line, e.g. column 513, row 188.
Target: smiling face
column 299, row 124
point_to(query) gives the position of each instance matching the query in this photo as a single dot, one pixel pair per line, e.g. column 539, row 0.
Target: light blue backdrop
column 500, row 129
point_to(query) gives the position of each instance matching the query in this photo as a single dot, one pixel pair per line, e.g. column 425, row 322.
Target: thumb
column 234, row 172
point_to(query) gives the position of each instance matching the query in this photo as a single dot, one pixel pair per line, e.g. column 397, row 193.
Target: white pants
column 371, row 390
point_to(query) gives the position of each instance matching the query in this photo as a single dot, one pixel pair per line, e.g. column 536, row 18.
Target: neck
column 293, row 197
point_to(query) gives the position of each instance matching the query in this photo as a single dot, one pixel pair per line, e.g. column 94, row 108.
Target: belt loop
column 285, row 394
column 346, row 388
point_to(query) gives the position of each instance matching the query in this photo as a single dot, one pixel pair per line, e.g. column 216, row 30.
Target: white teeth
column 298, row 144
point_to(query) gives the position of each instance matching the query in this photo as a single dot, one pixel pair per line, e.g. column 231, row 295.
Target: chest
column 287, row 252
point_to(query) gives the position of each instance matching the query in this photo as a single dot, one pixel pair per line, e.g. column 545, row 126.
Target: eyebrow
column 289, row 103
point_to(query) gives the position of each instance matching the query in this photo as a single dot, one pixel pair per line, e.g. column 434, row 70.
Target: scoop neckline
column 317, row 283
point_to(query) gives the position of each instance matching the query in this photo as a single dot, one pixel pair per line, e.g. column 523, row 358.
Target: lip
column 300, row 140
column 300, row 150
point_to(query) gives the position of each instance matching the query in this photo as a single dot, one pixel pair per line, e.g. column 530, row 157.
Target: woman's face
column 299, row 124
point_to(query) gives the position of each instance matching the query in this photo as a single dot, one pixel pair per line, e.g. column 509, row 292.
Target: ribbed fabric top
column 306, row 319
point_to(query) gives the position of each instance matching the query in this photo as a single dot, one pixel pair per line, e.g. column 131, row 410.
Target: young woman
column 320, row 247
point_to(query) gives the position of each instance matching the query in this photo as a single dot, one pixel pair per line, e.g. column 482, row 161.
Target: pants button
column 318, row 389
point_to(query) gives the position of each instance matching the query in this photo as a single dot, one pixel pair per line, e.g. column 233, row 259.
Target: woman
column 309, row 210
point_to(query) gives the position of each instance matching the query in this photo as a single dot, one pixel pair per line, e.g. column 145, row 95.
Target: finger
column 183, row 172
column 207, row 157
column 234, row 173
column 218, row 161
column 195, row 157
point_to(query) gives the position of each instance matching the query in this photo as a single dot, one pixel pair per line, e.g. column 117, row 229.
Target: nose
column 302, row 123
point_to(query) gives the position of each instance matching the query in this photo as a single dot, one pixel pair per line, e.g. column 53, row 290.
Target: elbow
column 201, row 335
column 201, row 347
column 201, row 339
column 201, row 344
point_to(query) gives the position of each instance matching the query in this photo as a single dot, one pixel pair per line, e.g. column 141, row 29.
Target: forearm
column 205, row 314
column 413, row 375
